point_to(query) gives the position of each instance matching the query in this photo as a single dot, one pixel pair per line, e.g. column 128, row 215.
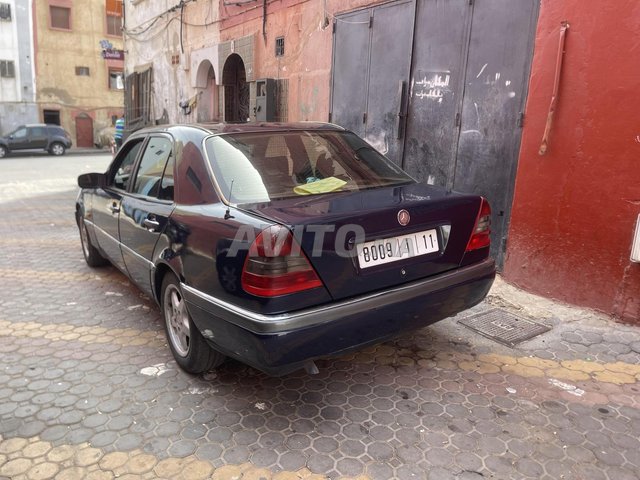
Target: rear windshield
column 259, row 167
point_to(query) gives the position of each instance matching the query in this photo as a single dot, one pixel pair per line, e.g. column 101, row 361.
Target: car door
column 38, row 137
column 106, row 202
column 19, row 140
column 146, row 209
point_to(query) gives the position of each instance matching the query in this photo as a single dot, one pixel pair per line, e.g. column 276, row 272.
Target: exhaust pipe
column 311, row 367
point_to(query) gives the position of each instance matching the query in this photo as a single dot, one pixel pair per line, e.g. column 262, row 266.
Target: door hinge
column 364, row 117
column 470, row 2
column 330, row 116
column 371, row 21
column 520, row 121
column 504, row 244
column 457, row 120
column 333, row 28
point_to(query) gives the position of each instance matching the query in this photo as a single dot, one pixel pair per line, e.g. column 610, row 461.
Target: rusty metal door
column 371, row 64
column 437, row 81
column 454, row 74
column 350, row 70
column 497, row 73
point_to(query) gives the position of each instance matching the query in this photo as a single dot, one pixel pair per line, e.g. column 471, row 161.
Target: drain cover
column 503, row 327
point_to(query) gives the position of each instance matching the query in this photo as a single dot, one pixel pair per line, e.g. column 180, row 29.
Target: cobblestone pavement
column 88, row 388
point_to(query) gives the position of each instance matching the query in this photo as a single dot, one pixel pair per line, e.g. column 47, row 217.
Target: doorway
column 84, row 131
column 236, row 90
column 208, row 102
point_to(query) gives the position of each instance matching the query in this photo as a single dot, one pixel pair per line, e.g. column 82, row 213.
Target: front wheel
column 189, row 348
column 91, row 254
column 57, row 149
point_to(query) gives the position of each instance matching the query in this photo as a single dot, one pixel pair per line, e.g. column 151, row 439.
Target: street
column 89, row 389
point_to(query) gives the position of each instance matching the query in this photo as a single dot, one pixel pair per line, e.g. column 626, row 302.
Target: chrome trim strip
column 139, row 257
column 261, row 323
column 100, row 230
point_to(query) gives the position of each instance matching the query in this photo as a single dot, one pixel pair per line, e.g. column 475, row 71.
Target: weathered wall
column 57, row 55
column 575, row 208
column 175, row 63
column 307, row 29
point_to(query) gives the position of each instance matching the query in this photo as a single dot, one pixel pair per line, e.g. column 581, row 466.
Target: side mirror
column 10, row 137
column 92, row 180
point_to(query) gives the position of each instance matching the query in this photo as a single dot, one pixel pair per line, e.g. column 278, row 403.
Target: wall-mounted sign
column 113, row 54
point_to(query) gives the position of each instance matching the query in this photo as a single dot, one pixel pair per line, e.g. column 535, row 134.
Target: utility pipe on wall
column 564, row 26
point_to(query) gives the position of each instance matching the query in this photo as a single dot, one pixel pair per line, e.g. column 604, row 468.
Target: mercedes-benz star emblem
column 403, row 218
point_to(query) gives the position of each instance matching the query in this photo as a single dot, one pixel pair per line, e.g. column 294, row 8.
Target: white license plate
column 393, row 249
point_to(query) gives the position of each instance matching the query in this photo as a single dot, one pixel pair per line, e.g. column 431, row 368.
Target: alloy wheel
column 177, row 319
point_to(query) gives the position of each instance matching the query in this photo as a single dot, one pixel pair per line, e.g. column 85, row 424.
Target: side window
column 38, row 132
column 152, row 166
column 20, row 133
column 122, row 169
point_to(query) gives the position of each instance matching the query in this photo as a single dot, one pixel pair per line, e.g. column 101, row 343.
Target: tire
column 189, row 348
column 91, row 254
column 57, row 149
column 4, row 151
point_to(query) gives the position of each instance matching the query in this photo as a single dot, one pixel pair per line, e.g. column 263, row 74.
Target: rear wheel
column 189, row 348
column 4, row 151
column 57, row 149
column 91, row 253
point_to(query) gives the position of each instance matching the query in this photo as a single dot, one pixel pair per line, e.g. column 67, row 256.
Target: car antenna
column 227, row 214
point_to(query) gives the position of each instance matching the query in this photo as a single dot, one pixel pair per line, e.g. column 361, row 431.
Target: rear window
column 56, row 131
column 259, row 167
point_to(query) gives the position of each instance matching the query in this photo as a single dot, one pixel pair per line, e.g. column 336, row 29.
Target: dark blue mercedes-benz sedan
column 278, row 244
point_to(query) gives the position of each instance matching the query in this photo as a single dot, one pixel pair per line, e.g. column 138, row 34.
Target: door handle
column 114, row 207
column 150, row 224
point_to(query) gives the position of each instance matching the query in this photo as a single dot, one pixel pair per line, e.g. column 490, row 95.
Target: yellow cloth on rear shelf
column 320, row 186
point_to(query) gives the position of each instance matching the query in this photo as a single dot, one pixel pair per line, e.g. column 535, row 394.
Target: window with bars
column 82, row 71
column 7, row 69
column 279, row 46
column 5, row 11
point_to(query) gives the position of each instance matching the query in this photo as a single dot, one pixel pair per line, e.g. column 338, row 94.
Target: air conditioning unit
column 635, row 247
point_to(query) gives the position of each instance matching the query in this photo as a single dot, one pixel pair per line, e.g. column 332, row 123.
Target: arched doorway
column 208, row 101
column 84, row 130
column 236, row 90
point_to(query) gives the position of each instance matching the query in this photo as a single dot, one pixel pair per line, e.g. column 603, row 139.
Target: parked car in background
column 36, row 137
column 278, row 244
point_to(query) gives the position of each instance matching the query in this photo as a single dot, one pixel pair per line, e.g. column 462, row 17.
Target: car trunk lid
column 357, row 244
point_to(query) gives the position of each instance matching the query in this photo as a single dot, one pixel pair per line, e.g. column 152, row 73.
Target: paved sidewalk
column 88, row 389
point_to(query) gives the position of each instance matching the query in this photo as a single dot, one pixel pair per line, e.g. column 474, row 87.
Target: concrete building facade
column 17, row 84
column 79, row 65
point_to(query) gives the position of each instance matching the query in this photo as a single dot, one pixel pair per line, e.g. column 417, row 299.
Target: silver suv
column 51, row 138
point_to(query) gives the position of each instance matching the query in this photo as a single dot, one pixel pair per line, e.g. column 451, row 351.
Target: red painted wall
column 575, row 208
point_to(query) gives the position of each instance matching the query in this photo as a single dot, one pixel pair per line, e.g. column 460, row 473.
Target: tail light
column 276, row 265
column 481, row 236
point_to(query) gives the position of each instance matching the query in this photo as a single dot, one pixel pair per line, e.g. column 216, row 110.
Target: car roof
column 220, row 128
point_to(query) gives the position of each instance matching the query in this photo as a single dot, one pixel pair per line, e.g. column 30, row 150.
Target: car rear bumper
column 278, row 344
